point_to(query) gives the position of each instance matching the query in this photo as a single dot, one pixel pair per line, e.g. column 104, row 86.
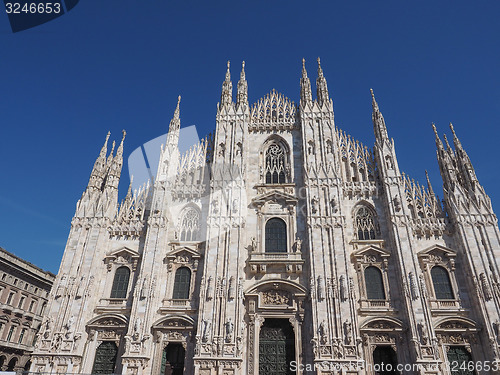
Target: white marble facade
column 278, row 226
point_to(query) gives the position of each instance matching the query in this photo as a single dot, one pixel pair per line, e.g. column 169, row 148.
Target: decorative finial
column 448, row 147
column 374, row 102
column 429, row 186
column 452, row 130
column 242, row 74
column 304, row 71
column 124, row 133
column 320, row 71
column 435, row 130
column 228, row 73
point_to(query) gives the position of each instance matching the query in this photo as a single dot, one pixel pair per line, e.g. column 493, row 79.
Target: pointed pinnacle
column 435, row 130
column 177, row 108
column 104, row 148
column 129, row 192
column 452, row 129
column 429, row 186
column 304, row 71
column 228, row 73
column 119, row 152
column 320, row 71
column 448, row 147
column 242, row 74
column 438, row 140
column 374, row 102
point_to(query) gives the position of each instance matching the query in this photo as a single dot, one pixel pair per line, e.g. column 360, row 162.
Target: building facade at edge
column 276, row 242
column 24, row 291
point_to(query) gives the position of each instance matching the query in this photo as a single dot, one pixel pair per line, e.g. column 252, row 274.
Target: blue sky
column 120, row 64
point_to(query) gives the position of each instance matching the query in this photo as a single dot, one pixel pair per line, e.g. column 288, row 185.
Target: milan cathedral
column 277, row 244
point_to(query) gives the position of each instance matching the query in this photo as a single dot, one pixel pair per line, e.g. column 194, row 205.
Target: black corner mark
column 25, row 14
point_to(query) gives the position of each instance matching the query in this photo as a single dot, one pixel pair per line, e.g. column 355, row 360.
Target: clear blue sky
column 120, row 64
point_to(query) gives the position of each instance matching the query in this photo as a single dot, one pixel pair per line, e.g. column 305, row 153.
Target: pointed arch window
column 374, row 283
column 365, row 224
column 190, row 224
column 275, row 168
column 276, row 236
column 182, row 283
column 120, row 283
column 441, row 283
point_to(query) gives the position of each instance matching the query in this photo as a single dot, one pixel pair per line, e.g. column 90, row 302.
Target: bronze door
column 276, row 347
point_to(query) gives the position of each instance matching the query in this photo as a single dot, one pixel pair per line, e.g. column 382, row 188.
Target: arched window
column 120, row 283
column 190, row 224
column 275, row 164
column 182, row 283
column 441, row 282
column 276, row 236
column 365, row 224
column 374, row 283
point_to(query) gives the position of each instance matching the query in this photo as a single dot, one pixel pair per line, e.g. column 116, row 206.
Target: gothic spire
column 305, row 86
column 321, row 86
column 99, row 169
column 378, row 121
column 439, row 144
column 429, row 186
column 464, row 163
column 175, row 124
column 242, row 95
column 110, row 156
column 119, row 152
column 456, row 141
column 227, row 88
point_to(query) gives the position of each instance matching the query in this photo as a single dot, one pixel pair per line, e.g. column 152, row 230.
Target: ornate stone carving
column 276, row 297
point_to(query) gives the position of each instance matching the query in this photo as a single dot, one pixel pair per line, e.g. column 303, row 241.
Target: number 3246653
column 18, row 8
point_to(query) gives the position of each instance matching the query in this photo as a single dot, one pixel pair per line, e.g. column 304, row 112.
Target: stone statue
column 254, row 244
column 229, row 330
column 298, row 244
column 206, row 329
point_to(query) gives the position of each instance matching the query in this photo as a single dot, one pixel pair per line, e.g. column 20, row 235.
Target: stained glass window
column 364, row 223
column 275, row 165
column 190, row 225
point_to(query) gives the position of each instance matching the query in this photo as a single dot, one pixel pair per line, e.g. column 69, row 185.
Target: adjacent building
column 277, row 244
column 24, row 290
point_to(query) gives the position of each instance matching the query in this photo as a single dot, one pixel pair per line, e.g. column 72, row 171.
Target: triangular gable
column 274, row 196
column 122, row 255
column 447, row 251
column 192, row 250
column 383, row 253
column 123, row 251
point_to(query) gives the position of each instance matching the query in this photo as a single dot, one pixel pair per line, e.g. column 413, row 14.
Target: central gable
column 273, row 112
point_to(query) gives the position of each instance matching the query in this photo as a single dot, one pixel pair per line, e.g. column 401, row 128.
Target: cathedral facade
column 278, row 245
